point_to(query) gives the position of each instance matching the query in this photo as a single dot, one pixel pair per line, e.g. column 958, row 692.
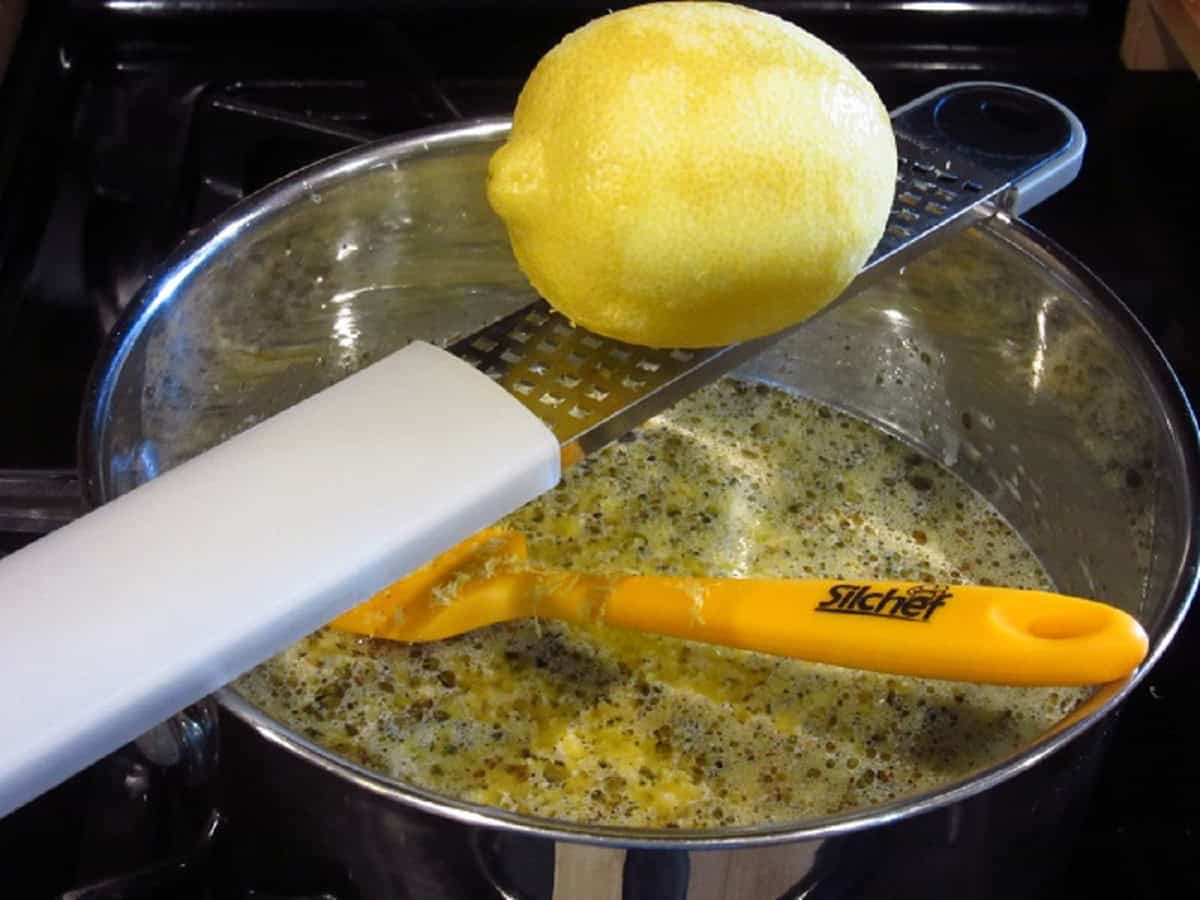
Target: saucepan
column 996, row 354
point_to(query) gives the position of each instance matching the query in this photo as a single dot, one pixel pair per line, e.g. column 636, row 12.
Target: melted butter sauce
column 601, row 726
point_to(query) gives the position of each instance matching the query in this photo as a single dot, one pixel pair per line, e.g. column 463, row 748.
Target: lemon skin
column 693, row 174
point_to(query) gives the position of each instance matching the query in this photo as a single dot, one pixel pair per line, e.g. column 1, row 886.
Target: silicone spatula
column 994, row 635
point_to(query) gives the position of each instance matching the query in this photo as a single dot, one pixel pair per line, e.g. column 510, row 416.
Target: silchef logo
column 916, row 604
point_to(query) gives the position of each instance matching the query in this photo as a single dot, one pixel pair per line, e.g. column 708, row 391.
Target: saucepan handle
column 119, row 619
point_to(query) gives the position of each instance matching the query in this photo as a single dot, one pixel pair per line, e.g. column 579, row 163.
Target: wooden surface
column 11, row 14
column 1162, row 35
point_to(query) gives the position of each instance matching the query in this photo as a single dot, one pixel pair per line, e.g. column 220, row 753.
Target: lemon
column 693, row 174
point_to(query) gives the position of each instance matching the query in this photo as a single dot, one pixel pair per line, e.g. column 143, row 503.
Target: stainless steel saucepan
column 996, row 353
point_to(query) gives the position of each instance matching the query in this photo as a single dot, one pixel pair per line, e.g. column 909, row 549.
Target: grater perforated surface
column 589, row 389
column 574, row 380
column 933, row 191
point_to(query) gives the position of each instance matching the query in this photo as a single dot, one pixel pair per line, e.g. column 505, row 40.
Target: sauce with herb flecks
column 602, row 726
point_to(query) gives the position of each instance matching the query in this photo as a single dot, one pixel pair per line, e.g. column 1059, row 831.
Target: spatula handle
column 145, row 605
column 956, row 632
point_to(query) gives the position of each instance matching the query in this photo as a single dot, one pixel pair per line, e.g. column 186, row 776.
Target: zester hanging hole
column 1002, row 121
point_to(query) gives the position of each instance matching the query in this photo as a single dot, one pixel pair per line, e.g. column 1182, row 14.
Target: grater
column 278, row 530
column 965, row 152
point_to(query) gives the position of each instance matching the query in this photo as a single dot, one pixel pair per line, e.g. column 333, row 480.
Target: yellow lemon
column 693, row 174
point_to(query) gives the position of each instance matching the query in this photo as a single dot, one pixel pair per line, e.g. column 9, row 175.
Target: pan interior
column 992, row 355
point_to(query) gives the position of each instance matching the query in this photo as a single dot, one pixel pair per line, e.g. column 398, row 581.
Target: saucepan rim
column 204, row 248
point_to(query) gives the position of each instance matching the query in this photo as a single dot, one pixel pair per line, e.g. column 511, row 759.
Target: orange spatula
column 958, row 632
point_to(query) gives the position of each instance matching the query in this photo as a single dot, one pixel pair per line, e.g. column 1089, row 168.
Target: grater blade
column 589, row 390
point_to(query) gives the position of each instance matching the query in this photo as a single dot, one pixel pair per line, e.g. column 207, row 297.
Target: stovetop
column 128, row 124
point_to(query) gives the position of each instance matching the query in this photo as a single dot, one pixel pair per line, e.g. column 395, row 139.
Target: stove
column 127, row 124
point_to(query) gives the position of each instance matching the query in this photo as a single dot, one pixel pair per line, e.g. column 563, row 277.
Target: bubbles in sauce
column 601, row 726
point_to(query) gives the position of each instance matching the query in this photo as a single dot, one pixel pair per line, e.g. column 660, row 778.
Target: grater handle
column 1024, row 137
column 141, row 607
